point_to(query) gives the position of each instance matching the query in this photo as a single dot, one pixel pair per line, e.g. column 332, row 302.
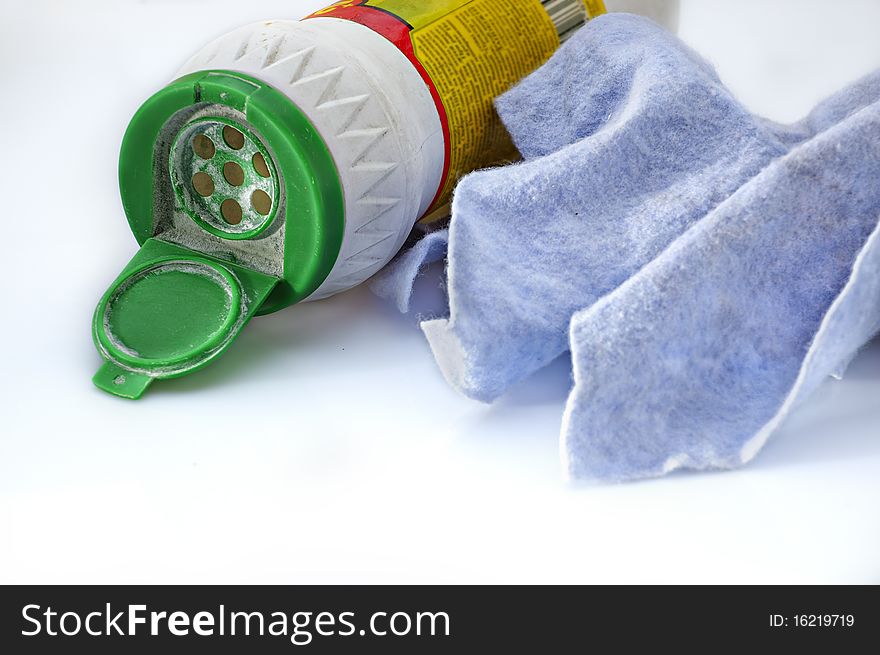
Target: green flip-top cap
column 238, row 208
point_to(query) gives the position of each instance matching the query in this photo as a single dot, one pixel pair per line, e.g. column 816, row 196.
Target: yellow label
column 474, row 54
column 594, row 7
column 419, row 13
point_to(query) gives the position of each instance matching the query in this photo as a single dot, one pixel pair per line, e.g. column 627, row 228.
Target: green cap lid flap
column 169, row 313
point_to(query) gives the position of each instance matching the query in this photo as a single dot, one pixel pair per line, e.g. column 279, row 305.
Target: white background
column 325, row 447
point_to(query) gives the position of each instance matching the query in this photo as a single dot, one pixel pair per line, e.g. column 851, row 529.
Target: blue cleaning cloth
column 396, row 283
column 706, row 267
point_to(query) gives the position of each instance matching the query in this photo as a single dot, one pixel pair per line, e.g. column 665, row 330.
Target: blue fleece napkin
column 705, row 266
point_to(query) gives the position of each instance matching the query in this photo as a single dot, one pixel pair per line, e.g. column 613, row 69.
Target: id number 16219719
column 812, row 621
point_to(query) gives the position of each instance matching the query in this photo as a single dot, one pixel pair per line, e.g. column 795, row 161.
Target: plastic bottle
column 290, row 160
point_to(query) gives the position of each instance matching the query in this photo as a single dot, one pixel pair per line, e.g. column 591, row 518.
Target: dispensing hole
column 223, row 178
column 231, row 211
column 203, row 146
column 234, row 139
column 261, row 202
column 233, row 173
column 260, row 165
column 203, row 184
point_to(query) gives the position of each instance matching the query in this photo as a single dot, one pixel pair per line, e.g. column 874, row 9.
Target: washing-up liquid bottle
column 290, row 160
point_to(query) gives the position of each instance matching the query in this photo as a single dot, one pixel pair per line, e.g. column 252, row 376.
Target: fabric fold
column 645, row 149
column 694, row 361
column 706, row 267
